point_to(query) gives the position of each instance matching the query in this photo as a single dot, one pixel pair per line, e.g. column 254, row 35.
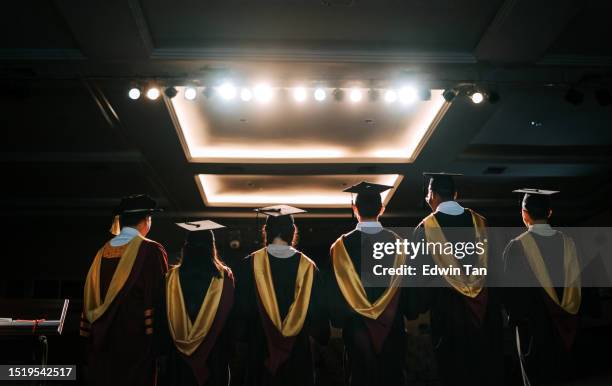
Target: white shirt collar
column 451, row 208
column 125, row 236
column 542, row 230
column 369, row 227
column 281, row 251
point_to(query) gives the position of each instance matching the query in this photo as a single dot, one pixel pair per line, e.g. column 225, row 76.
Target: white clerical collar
column 542, row 230
column 451, row 208
column 369, row 227
column 281, row 251
column 125, row 236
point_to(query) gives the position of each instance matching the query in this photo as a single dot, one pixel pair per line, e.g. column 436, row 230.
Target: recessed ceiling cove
column 308, row 191
column 281, row 129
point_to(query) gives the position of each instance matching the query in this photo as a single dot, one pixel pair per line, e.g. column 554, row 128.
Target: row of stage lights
column 265, row 93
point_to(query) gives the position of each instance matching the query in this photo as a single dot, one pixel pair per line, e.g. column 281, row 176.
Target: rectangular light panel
column 308, row 191
column 214, row 130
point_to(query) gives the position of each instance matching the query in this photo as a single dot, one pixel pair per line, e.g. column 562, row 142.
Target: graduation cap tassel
column 115, row 228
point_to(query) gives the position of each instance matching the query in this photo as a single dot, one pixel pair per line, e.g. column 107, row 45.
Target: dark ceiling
column 72, row 142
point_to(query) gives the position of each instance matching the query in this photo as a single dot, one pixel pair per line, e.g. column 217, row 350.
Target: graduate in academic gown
column 466, row 318
column 198, row 301
column 544, row 307
column 371, row 317
column 279, row 303
column 122, row 288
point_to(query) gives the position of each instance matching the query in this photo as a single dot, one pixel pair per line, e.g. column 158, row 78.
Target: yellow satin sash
column 188, row 335
column 572, row 292
column 93, row 306
column 351, row 287
column 468, row 285
column 294, row 320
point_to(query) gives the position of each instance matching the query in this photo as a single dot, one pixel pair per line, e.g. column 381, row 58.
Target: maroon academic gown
column 121, row 342
column 374, row 348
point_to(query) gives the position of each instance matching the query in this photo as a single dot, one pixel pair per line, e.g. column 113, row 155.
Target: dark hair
column 200, row 253
column 444, row 186
column 445, row 195
column 537, row 211
column 368, row 204
column 281, row 226
column 132, row 219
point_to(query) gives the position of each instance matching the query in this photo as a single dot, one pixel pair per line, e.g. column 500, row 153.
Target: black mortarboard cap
column 368, row 191
column 137, row 203
column 279, row 210
column 196, row 235
column 365, row 187
column 133, row 204
column 537, row 200
column 278, row 214
column 201, row 225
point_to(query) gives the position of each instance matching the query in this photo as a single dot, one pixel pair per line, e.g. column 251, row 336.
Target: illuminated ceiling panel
column 282, row 130
column 309, row 191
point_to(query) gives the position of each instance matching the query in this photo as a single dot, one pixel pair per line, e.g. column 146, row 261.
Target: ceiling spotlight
column 263, row 93
column 227, row 91
column 320, row 94
column 407, row 95
column 449, row 95
column 246, row 94
column 170, row 92
column 424, row 94
column 355, row 95
column 153, row 93
column 134, row 93
column 477, row 97
column 390, row 96
column 299, row 94
column 492, row 97
column 191, row 93
column 338, row 94
column 603, row 96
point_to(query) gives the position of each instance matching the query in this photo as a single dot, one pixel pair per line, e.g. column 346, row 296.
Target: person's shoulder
column 250, row 256
column 514, row 246
column 246, row 261
column 388, row 233
column 350, row 235
column 474, row 213
column 308, row 259
column 419, row 228
column 342, row 238
column 153, row 246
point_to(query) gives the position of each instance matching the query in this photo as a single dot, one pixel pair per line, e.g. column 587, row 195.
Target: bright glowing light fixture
column 134, row 93
column 355, row 95
column 227, row 91
column 477, row 97
column 246, row 94
column 299, row 94
column 313, row 130
column 320, row 94
column 263, row 92
column 153, row 93
column 190, row 93
column 390, row 96
column 310, row 191
column 408, row 95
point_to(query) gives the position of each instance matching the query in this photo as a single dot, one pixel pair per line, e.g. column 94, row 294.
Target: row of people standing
column 278, row 301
